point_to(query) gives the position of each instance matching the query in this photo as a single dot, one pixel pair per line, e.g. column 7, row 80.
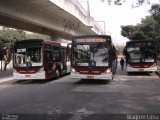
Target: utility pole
column 88, row 8
column 104, row 25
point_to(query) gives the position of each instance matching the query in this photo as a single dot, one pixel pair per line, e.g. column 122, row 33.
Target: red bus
column 93, row 57
column 140, row 56
column 39, row 59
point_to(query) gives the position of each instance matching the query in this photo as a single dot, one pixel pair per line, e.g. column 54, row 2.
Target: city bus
column 93, row 57
column 140, row 56
column 40, row 59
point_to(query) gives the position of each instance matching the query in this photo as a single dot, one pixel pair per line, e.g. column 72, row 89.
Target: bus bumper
column 35, row 76
column 151, row 69
column 106, row 76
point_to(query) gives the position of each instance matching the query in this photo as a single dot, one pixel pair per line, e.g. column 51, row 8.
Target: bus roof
column 26, row 41
column 29, row 40
column 52, row 43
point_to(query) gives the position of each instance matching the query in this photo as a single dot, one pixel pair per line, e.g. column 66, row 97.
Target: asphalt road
column 69, row 99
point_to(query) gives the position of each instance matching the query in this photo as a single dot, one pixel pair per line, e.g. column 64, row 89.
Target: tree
column 155, row 8
column 7, row 37
column 127, row 31
column 1, row 53
column 8, row 51
column 148, row 29
column 138, row 35
column 144, row 30
column 137, row 3
column 11, row 35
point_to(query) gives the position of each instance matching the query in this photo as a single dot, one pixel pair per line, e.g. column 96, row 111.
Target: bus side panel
column 50, row 74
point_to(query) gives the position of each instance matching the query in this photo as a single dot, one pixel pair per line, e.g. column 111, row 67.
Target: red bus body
column 93, row 57
column 39, row 59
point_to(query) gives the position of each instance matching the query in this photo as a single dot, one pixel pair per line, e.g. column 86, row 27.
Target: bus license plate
column 27, row 75
column 141, row 69
column 90, row 77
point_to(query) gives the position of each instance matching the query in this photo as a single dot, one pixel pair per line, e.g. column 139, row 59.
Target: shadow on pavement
column 93, row 82
column 139, row 74
column 33, row 81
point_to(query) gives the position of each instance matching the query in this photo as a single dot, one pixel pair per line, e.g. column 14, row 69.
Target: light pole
column 104, row 25
column 88, row 7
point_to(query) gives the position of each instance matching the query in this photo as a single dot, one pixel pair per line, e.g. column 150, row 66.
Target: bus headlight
column 73, row 70
column 108, row 70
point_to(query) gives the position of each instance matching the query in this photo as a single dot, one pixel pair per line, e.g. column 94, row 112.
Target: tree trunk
column 1, row 65
column 5, row 65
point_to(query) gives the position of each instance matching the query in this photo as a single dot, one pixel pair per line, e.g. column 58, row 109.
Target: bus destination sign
column 84, row 40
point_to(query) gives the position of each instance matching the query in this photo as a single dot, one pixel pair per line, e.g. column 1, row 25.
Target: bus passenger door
column 48, row 61
column 64, row 61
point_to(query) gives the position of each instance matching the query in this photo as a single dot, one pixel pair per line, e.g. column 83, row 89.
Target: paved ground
column 68, row 99
column 6, row 75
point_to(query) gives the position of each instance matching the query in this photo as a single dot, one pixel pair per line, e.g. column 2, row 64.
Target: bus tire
column 128, row 73
column 58, row 74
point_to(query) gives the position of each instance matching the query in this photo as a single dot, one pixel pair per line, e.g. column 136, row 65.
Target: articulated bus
column 40, row 59
column 140, row 56
column 93, row 57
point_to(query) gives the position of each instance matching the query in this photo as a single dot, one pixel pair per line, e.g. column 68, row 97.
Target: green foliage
column 1, row 50
column 127, row 31
column 155, row 8
column 8, row 35
column 11, row 35
column 148, row 29
column 138, row 35
column 136, row 3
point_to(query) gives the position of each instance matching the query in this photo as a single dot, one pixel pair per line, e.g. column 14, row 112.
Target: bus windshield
column 90, row 55
column 27, row 57
column 142, row 54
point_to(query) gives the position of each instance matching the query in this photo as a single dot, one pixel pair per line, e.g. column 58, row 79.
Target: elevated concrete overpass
column 57, row 18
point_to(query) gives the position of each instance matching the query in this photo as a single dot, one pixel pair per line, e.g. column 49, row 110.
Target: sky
column 115, row 16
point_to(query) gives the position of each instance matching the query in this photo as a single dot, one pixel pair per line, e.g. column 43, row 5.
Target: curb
column 6, row 79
